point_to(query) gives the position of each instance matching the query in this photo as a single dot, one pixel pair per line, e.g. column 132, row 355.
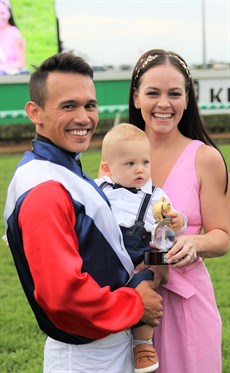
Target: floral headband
column 144, row 62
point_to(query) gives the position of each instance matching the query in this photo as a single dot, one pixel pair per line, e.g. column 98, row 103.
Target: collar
column 42, row 138
column 147, row 188
column 132, row 190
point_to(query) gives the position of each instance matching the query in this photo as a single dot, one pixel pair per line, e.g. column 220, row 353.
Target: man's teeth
column 162, row 115
column 78, row 132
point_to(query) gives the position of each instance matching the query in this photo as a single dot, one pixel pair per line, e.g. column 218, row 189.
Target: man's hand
column 152, row 303
column 160, row 273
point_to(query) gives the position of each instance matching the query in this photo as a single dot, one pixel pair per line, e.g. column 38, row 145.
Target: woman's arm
column 214, row 204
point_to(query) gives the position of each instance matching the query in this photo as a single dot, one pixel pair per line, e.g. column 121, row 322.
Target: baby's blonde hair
column 121, row 132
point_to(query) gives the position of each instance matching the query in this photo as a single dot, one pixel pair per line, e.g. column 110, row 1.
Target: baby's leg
column 145, row 356
column 142, row 334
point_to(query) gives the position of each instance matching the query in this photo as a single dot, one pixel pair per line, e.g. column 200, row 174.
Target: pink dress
column 188, row 339
column 9, row 46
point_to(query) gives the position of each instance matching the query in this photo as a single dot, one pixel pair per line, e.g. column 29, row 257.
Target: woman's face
column 161, row 97
column 4, row 14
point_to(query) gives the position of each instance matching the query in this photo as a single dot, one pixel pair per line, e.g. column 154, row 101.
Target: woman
column 12, row 45
column 189, row 168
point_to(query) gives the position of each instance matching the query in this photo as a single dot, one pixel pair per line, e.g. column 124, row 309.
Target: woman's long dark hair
column 191, row 124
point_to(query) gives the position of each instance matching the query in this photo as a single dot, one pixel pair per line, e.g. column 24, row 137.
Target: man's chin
column 80, row 147
column 76, row 146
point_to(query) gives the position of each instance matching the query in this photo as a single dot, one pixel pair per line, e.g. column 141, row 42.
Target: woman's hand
column 184, row 252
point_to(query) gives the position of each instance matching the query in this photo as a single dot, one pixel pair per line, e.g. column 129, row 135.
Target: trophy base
column 155, row 257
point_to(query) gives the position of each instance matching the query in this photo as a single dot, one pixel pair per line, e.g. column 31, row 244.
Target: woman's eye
column 175, row 94
column 152, row 93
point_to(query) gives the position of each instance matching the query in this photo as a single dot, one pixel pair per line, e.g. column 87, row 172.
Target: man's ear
column 33, row 112
column 104, row 169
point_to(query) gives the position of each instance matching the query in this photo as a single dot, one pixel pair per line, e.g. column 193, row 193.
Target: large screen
column 29, row 34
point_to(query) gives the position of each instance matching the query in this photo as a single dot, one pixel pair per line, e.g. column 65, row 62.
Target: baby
column 128, row 186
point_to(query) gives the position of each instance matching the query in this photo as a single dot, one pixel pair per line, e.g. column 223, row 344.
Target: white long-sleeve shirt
column 125, row 204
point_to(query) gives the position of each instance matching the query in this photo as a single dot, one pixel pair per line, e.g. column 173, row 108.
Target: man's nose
column 81, row 116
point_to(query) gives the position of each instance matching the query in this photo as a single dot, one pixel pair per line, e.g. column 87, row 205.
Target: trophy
column 163, row 236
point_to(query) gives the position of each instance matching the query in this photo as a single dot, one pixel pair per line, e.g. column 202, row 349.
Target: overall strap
column 104, row 184
column 139, row 222
column 143, row 207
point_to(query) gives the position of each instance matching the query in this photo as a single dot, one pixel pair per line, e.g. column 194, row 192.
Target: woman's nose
column 163, row 102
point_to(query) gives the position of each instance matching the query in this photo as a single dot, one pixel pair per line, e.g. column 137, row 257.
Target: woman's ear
column 33, row 112
column 136, row 100
column 104, row 169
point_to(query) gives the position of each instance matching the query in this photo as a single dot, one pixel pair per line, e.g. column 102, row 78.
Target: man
column 66, row 244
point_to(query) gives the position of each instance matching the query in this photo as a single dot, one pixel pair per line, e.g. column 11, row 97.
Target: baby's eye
column 130, row 163
column 146, row 162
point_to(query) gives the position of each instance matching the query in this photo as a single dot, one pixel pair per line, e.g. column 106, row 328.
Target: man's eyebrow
column 93, row 102
column 68, row 102
column 76, row 102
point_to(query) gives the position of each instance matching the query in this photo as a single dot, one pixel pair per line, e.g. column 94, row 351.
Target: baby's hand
column 177, row 220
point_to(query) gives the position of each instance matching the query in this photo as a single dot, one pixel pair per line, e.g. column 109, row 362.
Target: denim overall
column 136, row 238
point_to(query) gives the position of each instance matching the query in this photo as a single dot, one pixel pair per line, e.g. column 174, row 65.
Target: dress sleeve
column 72, row 299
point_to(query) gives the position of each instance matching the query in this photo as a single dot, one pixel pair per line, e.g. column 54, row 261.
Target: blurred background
column 111, row 35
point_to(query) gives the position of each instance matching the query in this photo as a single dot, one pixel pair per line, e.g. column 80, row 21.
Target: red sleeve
column 72, row 300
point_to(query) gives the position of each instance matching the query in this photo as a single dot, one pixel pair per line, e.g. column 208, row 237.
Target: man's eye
column 91, row 106
column 68, row 106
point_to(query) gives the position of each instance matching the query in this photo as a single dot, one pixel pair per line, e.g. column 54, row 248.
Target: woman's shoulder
column 203, row 152
column 208, row 153
column 209, row 159
column 15, row 32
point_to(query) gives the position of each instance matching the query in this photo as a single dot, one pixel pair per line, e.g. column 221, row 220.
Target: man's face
column 70, row 115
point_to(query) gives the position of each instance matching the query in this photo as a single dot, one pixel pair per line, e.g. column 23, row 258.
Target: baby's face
column 130, row 165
